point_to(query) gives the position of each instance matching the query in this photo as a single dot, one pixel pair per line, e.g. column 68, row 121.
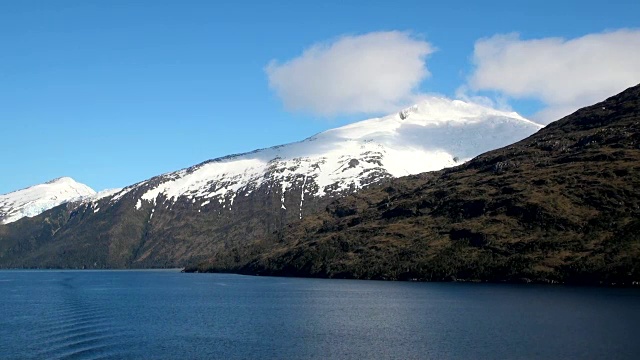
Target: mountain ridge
column 177, row 218
column 561, row 206
column 289, row 155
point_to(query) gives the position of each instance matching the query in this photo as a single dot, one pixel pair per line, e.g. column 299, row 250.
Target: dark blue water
column 168, row 315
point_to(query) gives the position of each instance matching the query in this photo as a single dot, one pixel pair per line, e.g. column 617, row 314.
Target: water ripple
column 76, row 326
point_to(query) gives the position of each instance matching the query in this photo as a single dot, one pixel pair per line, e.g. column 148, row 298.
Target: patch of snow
column 119, row 194
column 103, row 194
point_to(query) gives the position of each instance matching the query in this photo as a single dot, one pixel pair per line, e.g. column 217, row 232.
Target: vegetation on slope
column 560, row 206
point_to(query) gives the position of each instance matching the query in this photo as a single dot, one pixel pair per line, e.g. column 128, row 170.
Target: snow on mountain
column 102, row 194
column 431, row 135
column 39, row 198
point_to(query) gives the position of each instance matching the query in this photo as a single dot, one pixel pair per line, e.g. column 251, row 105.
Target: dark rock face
column 560, row 206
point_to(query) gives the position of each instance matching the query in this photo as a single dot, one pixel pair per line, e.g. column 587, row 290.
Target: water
column 168, row 315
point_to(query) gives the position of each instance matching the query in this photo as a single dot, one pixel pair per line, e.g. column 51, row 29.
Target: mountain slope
column 206, row 210
column 560, row 206
column 432, row 135
column 36, row 199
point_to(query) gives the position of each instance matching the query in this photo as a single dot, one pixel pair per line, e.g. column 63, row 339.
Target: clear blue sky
column 114, row 92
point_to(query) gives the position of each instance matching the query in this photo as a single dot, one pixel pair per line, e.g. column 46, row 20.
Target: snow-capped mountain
column 431, row 135
column 293, row 209
column 36, row 199
column 212, row 211
column 434, row 134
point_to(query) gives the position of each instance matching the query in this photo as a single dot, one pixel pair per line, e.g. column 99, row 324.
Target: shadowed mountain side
column 169, row 234
column 560, row 206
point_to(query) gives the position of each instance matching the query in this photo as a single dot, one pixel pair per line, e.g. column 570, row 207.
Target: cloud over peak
column 565, row 74
column 370, row 73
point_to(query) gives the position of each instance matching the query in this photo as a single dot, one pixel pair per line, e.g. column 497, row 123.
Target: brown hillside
column 560, row 206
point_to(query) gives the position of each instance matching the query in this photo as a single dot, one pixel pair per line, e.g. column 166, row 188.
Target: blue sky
column 114, row 92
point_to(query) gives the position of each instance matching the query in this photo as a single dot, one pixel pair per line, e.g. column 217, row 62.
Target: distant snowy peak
column 36, row 199
column 432, row 113
column 431, row 135
column 436, row 109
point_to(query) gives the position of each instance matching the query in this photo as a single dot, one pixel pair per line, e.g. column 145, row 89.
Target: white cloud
column 564, row 74
column 498, row 102
column 370, row 73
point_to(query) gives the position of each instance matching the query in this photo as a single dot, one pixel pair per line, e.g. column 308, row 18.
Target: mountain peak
column 36, row 199
column 434, row 134
column 437, row 109
column 62, row 180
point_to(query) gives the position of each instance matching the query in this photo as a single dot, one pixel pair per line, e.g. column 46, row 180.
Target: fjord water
column 169, row 315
